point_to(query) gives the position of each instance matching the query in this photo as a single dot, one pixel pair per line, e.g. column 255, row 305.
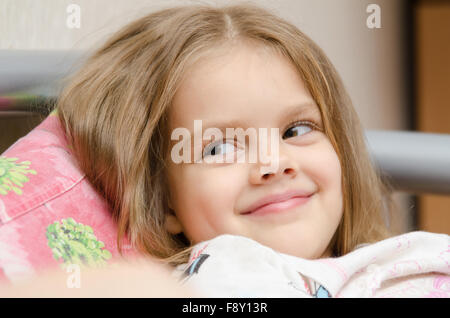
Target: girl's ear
column 172, row 224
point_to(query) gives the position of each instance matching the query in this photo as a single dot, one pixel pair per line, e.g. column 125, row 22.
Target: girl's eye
column 222, row 147
column 299, row 128
column 219, row 148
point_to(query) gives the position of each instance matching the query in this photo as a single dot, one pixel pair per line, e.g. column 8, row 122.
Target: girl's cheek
column 334, row 169
column 217, row 179
column 324, row 166
column 220, row 185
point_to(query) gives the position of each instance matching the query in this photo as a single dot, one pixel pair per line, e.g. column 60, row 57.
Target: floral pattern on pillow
column 75, row 243
column 49, row 211
column 13, row 175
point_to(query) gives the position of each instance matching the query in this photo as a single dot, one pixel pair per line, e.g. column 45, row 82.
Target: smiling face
column 258, row 89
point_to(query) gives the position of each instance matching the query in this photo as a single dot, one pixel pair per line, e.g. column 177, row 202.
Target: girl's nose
column 287, row 168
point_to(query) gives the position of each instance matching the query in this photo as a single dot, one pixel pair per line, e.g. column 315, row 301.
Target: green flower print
column 13, row 175
column 76, row 243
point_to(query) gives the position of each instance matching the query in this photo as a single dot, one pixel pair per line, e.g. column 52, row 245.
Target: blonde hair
column 115, row 114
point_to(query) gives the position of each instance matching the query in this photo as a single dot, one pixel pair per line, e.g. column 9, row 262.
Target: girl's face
column 254, row 88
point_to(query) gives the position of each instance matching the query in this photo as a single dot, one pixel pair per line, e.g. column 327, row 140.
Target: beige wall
column 369, row 60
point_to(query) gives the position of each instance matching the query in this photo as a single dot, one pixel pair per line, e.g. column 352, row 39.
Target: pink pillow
column 50, row 215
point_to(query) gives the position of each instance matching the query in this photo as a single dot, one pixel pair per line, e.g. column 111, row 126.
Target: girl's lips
column 279, row 205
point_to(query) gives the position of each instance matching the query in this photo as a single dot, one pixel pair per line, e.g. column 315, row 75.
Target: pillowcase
column 50, row 215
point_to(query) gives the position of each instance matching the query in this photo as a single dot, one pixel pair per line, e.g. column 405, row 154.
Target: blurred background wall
column 431, row 95
column 371, row 62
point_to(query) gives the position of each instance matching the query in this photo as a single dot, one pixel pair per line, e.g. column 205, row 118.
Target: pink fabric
column 40, row 184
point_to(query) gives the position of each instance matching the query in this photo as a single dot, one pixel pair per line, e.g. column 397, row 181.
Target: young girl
column 235, row 229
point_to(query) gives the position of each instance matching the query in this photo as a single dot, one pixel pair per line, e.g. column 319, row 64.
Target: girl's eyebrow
column 299, row 109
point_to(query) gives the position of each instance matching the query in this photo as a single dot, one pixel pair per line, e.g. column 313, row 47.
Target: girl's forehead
column 244, row 83
column 266, row 116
